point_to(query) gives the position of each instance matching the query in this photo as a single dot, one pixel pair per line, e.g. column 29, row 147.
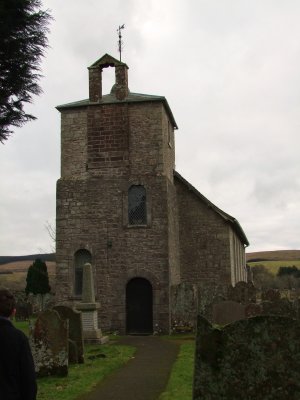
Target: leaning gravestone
column 76, row 350
column 253, row 359
column 49, row 344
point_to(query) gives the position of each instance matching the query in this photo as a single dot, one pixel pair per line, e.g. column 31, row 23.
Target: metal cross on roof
column 120, row 43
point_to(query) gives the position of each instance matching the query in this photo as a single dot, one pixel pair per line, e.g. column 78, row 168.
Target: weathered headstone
column 254, row 359
column 270, row 295
column 281, row 307
column 209, row 295
column 76, row 350
column 91, row 332
column 242, row 292
column 184, row 307
column 23, row 311
column 49, row 344
column 227, row 312
column 253, row 309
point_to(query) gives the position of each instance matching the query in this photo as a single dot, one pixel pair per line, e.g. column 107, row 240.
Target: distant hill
column 277, row 255
column 31, row 257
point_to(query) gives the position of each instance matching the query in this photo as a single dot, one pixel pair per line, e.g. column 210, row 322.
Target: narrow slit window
column 137, row 211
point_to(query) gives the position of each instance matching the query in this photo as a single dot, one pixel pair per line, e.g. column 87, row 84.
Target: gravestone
column 226, row 312
column 184, row 307
column 76, row 350
column 279, row 306
column 253, row 309
column 242, row 292
column 91, row 332
column 254, row 359
column 209, row 295
column 49, row 344
column 270, row 295
column 23, row 311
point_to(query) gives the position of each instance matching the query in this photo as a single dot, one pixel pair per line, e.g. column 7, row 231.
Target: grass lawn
column 180, row 383
column 83, row 377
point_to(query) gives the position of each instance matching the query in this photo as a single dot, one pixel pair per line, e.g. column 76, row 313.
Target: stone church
column 122, row 207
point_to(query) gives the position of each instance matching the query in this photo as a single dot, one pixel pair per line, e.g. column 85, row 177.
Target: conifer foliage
column 37, row 280
column 23, row 40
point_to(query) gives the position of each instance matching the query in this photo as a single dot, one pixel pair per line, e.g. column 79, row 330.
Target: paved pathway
column 144, row 377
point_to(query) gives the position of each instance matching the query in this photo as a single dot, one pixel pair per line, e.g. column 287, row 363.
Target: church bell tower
column 116, row 203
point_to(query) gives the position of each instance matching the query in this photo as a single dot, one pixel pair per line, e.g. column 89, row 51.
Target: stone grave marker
column 242, row 292
column 279, row 306
column 184, row 307
column 270, row 295
column 49, row 344
column 76, row 349
column 253, row 309
column 226, row 312
column 23, row 311
column 91, row 331
column 254, row 359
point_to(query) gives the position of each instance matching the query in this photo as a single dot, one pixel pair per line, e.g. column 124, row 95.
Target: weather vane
column 120, row 43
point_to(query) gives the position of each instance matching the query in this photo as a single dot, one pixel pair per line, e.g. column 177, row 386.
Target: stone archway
column 139, row 307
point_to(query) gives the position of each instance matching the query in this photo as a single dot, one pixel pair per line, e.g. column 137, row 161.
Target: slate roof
column 131, row 98
column 228, row 218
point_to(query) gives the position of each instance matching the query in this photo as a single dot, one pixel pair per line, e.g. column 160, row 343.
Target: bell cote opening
column 120, row 88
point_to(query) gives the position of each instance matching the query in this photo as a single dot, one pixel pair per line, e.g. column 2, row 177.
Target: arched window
column 137, row 211
column 81, row 257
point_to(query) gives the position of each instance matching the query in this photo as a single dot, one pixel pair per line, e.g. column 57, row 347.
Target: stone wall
column 107, row 139
column 73, row 143
column 107, row 146
column 92, row 207
column 204, row 240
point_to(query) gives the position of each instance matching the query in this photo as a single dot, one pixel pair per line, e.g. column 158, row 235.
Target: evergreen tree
column 23, row 29
column 37, row 280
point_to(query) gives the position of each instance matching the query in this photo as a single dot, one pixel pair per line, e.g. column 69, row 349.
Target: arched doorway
column 139, row 315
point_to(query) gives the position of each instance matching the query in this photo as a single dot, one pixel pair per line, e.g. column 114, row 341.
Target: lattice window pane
column 137, row 212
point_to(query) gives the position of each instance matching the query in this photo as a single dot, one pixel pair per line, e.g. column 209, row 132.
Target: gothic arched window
column 137, row 211
column 81, row 257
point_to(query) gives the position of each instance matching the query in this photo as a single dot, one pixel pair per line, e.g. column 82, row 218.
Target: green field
column 273, row 266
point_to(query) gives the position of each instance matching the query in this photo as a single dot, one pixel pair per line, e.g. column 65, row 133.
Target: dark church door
column 139, row 307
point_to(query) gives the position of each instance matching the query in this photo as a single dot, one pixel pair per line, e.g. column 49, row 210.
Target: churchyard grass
column 23, row 326
column 83, row 377
column 100, row 361
column 180, row 383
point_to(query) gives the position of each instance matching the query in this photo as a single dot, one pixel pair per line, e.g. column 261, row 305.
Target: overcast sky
column 230, row 70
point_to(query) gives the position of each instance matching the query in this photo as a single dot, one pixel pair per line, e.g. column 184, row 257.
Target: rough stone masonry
column 122, row 208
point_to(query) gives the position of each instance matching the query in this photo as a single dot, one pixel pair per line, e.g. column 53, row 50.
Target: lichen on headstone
column 49, row 344
column 254, row 359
